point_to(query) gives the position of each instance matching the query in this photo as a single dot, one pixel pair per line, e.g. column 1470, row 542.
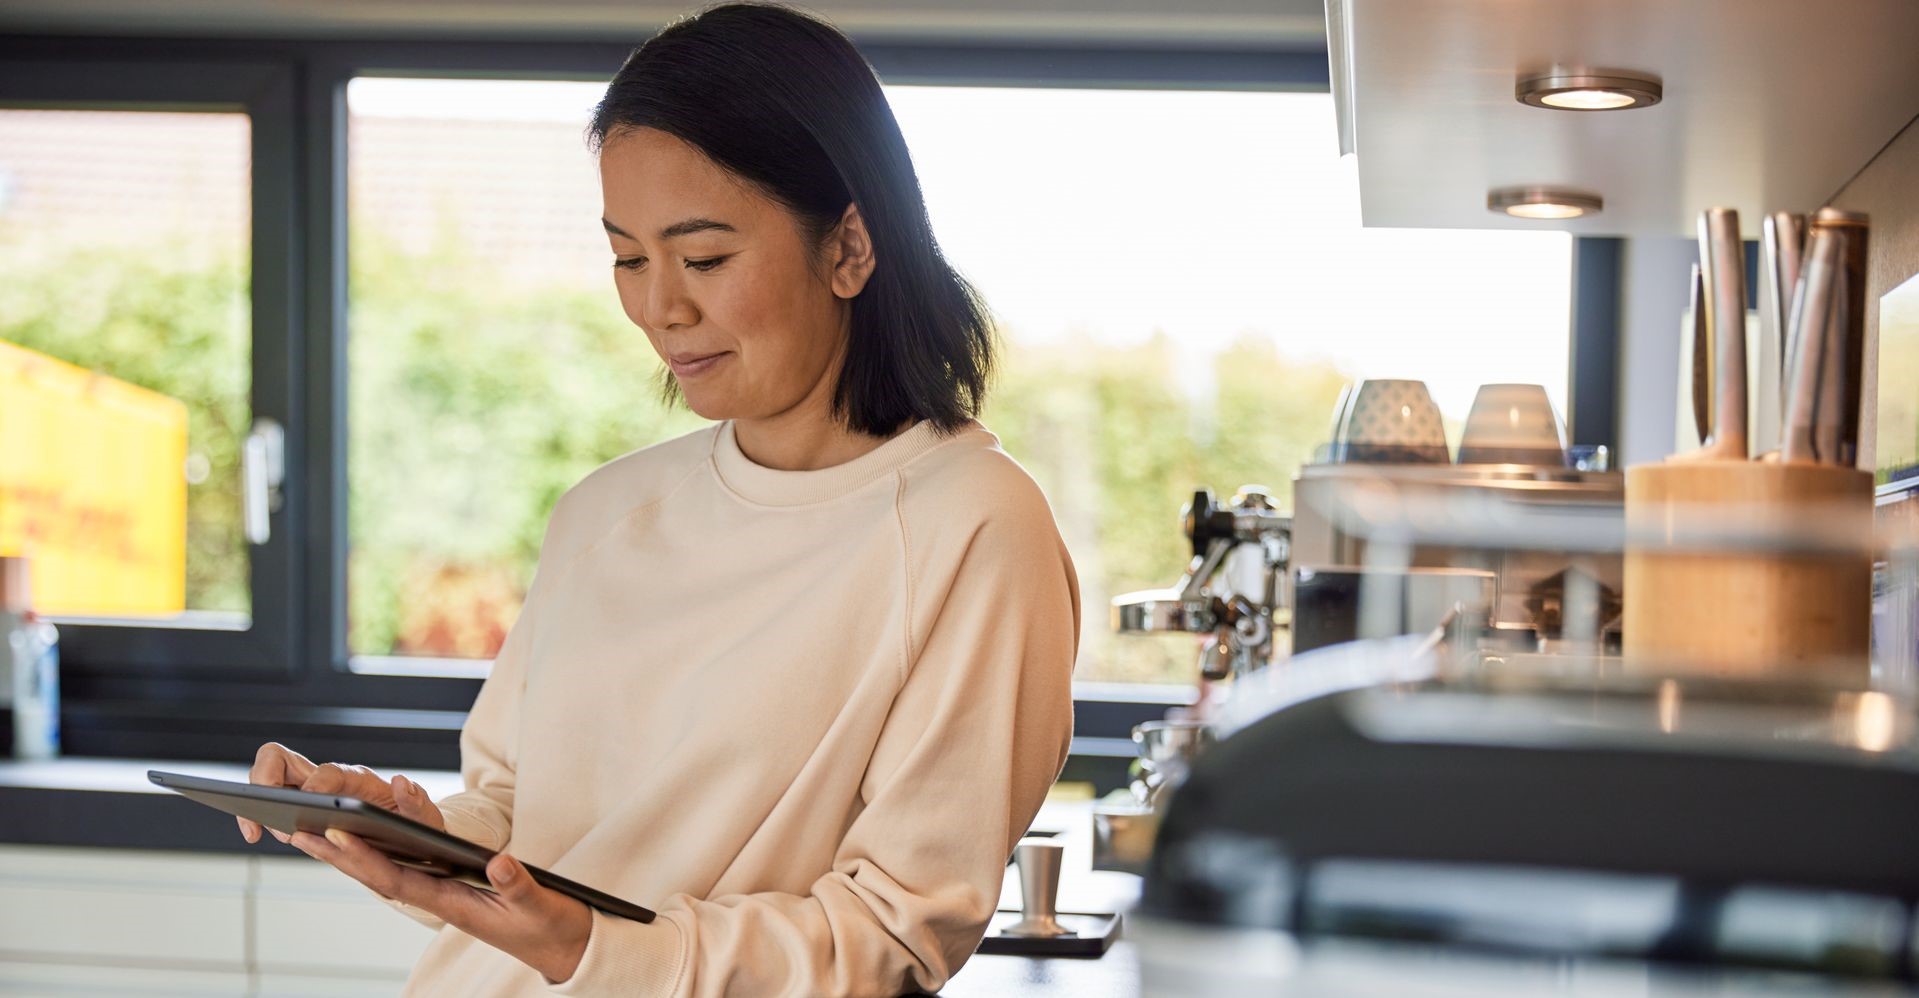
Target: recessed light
column 1588, row 92
column 1543, row 202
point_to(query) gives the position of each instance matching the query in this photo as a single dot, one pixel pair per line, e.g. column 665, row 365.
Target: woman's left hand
column 544, row 929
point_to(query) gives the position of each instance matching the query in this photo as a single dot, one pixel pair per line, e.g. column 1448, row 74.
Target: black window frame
column 155, row 695
column 266, row 92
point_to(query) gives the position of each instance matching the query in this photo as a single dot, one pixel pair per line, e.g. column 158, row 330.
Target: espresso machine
column 1381, row 549
column 1378, row 550
column 1526, row 557
column 1234, row 588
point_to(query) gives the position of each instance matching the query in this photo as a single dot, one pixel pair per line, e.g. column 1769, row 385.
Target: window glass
column 125, row 360
column 490, row 365
column 1184, row 286
column 1180, row 279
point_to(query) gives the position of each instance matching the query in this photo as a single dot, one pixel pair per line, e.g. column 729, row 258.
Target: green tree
column 473, row 405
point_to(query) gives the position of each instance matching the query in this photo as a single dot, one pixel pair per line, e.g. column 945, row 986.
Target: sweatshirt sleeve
column 977, row 733
column 489, row 738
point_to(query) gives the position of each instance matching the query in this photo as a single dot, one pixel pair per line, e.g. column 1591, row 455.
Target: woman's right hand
column 275, row 765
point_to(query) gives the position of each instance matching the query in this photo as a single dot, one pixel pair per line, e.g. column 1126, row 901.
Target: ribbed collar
column 772, row 487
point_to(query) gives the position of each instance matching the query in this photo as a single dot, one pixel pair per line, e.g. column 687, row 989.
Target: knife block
column 1744, row 607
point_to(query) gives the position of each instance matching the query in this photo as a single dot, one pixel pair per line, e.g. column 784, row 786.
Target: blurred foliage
column 474, row 403
column 1120, row 446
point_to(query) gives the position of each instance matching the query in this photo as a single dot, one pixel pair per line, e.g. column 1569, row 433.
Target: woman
column 798, row 680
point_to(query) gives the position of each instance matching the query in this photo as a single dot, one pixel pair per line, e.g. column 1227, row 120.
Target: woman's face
column 744, row 308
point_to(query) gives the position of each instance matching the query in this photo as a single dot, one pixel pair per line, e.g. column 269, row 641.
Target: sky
column 1205, row 215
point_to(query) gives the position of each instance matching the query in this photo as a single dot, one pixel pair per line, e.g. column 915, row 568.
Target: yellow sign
column 92, row 488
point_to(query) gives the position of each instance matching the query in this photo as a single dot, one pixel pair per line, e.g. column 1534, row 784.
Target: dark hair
column 784, row 101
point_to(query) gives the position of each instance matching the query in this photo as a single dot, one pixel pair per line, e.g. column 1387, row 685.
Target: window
column 146, row 314
column 391, row 253
column 1178, row 312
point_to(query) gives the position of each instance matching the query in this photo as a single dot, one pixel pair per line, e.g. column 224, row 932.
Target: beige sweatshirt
column 805, row 715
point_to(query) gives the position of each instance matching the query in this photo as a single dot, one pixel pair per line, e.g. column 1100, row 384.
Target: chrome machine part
column 1233, row 588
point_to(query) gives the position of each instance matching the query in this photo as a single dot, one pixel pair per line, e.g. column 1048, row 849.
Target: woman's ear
column 850, row 248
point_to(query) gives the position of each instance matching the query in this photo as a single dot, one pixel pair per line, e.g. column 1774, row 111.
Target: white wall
column 1653, row 300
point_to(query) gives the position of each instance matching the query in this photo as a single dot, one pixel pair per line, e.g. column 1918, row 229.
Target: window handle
column 262, row 470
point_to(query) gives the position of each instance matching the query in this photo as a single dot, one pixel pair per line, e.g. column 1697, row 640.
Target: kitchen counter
column 1115, row 975
column 108, row 804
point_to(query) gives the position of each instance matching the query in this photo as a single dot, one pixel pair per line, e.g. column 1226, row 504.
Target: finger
column 276, row 765
column 449, row 899
column 511, row 881
column 308, row 843
column 519, row 901
column 273, row 765
column 250, row 830
column 364, row 863
column 351, row 781
column 403, row 799
column 412, row 801
column 325, row 849
column 326, row 778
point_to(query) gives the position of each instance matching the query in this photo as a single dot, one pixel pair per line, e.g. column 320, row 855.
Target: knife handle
column 1848, row 332
column 1701, row 360
column 1722, row 262
column 1812, row 310
column 1782, row 252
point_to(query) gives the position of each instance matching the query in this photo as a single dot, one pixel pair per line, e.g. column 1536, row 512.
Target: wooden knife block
column 1747, row 611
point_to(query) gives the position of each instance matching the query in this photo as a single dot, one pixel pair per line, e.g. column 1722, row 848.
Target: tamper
column 1038, row 929
column 1039, row 865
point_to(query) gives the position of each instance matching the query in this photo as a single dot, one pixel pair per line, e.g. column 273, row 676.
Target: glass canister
column 29, row 667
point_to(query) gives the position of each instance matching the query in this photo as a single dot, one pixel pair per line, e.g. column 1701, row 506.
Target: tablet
column 405, row 841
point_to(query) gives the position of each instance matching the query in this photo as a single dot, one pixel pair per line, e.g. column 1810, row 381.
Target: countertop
column 109, row 803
